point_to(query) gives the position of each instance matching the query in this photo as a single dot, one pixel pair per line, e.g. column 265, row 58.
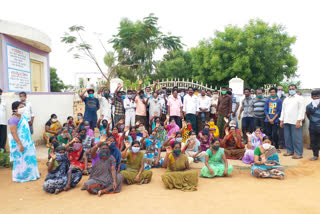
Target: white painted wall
column 44, row 105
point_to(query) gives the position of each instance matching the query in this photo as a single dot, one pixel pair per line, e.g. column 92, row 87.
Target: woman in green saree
column 178, row 174
column 134, row 172
column 216, row 163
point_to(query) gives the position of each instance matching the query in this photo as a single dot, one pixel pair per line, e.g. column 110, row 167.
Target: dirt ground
column 239, row 193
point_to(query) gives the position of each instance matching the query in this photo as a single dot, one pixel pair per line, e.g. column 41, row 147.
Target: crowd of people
column 135, row 127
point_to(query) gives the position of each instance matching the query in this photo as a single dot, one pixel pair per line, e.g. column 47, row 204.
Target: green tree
column 175, row 64
column 258, row 53
column 56, row 84
column 136, row 44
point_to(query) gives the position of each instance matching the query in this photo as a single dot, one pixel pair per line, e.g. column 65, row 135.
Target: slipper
column 314, row 158
column 288, row 154
column 297, row 157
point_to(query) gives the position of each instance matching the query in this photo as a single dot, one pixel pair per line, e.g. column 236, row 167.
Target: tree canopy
column 56, row 84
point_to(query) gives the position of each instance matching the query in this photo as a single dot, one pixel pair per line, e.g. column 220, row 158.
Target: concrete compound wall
column 43, row 104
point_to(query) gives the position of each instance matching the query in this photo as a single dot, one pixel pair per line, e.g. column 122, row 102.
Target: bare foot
column 146, row 181
column 100, row 193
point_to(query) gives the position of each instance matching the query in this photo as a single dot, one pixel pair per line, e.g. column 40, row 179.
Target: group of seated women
column 116, row 156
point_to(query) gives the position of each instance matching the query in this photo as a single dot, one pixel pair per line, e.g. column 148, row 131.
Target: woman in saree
column 65, row 137
column 185, row 130
column 266, row 161
column 254, row 140
column 216, row 163
column 52, row 128
column 77, row 156
column 172, row 127
column 205, row 137
column 22, row 149
column 193, row 149
column 61, row 177
column 232, row 144
column 178, row 174
column 134, row 172
column 104, row 178
column 162, row 135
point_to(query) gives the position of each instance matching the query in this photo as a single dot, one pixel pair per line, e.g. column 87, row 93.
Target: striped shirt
column 258, row 107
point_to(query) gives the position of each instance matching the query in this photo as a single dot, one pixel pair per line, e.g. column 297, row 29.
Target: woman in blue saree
column 22, row 149
column 266, row 161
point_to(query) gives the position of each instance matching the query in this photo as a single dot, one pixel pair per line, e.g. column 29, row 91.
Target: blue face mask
column 292, row 92
column 123, row 96
column 0, row 97
column 91, row 95
column 179, row 139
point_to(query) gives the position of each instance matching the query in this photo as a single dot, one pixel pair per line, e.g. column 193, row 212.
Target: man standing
column 281, row 96
column 118, row 105
column 190, row 106
column 92, row 105
column 293, row 111
column 141, row 109
column 175, row 108
column 105, row 102
column 272, row 110
column 154, row 106
column 224, row 109
column 3, row 122
column 204, row 104
column 258, row 109
column 235, row 106
column 280, row 93
column 247, row 122
column 130, row 107
column 214, row 104
column 28, row 110
column 313, row 114
column 164, row 106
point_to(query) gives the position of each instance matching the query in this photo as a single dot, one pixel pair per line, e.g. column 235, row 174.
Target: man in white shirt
column 293, row 111
column 204, row 104
column 28, row 112
column 105, row 101
column 190, row 107
column 3, row 122
column 130, row 108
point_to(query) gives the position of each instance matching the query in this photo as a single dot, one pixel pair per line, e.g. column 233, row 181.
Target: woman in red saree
column 77, row 156
column 232, row 144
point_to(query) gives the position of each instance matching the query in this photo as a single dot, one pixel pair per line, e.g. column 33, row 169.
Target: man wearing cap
column 92, row 105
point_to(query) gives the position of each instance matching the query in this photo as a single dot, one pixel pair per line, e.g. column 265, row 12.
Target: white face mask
column 215, row 96
column 21, row 110
column 315, row 103
column 266, row 146
column 253, row 96
column 54, row 120
column 135, row 149
column 279, row 93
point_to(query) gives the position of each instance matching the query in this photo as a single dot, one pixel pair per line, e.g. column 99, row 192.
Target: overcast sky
column 192, row 20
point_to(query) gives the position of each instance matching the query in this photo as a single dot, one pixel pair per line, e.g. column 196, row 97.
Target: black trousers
column 259, row 122
column 272, row 131
column 3, row 136
column 315, row 142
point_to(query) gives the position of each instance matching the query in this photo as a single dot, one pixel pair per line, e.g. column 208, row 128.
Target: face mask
column 260, row 96
column 105, row 125
column 266, row 146
column 106, row 95
column 315, row 103
column 274, row 96
column 182, row 94
column 83, row 136
column 279, row 93
column 179, row 139
column 86, row 127
column 216, row 147
column 192, row 137
column 104, row 154
column 21, row 110
column 91, row 95
column 253, row 96
column 77, row 146
column 233, row 125
column 54, row 120
column 129, row 96
column 61, row 157
column 141, row 97
column 292, row 92
column 215, row 96
column 223, row 92
column 64, row 135
column 135, row 149
column 177, row 152
column 123, row 96
column 79, row 117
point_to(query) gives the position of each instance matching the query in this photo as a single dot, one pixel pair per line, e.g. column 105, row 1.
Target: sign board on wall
column 19, row 72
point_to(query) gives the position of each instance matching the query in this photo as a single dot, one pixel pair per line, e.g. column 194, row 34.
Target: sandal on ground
column 297, row 157
column 288, row 154
column 314, row 158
